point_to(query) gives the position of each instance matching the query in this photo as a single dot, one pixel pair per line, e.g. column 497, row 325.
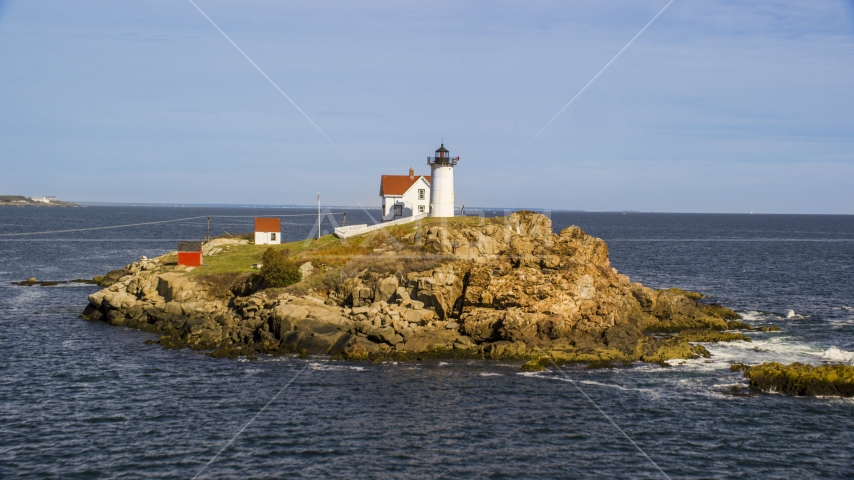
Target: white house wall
column 263, row 238
column 409, row 201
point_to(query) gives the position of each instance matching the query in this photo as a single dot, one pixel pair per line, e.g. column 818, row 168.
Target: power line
column 292, row 215
column 153, row 223
column 99, row 228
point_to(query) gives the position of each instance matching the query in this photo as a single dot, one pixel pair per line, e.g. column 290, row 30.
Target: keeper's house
column 404, row 195
column 190, row 254
column 268, row 231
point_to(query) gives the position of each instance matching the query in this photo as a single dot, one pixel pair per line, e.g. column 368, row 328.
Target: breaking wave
column 835, row 354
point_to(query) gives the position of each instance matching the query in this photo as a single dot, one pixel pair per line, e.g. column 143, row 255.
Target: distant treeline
column 11, row 198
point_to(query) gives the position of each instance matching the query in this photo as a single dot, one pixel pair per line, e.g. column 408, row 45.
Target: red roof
column 399, row 184
column 268, row 225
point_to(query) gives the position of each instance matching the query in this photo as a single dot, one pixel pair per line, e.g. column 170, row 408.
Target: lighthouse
column 442, row 180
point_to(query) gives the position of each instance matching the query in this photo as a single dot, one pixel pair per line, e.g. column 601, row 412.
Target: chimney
column 411, row 173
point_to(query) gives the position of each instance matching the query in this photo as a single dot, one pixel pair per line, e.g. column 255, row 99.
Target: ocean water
column 81, row 399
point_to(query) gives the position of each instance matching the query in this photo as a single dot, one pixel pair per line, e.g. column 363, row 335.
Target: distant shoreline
column 58, row 204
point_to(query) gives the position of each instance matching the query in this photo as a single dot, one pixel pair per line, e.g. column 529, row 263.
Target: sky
column 718, row 106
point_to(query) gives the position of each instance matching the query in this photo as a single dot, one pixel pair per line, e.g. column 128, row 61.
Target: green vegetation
column 536, row 364
column 380, row 253
column 716, row 310
column 233, row 351
column 403, row 356
column 675, row 350
column 736, row 325
column 687, row 293
column 679, row 324
column 12, row 198
column 277, row 270
column 708, row 335
column 607, row 364
column 716, row 317
column 799, row 379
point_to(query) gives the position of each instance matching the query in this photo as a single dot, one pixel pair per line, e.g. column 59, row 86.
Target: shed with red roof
column 268, row 231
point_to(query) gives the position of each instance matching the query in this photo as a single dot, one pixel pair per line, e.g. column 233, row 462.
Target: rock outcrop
column 799, row 379
column 508, row 287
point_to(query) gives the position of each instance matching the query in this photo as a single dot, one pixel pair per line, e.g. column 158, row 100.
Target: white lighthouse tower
column 442, row 183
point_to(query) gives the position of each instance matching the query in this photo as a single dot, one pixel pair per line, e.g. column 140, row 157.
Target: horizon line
column 473, row 208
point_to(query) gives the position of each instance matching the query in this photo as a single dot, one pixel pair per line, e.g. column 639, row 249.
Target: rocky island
column 506, row 287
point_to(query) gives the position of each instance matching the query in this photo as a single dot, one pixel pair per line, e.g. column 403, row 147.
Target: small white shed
column 268, row 231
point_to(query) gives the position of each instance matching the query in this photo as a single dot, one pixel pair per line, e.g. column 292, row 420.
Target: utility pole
column 208, row 235
column 345, row 219
column 318, row 215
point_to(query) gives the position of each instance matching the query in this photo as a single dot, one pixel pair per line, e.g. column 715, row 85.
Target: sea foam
column 835, row 354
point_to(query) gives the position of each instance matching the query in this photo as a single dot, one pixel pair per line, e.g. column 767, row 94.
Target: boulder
column 386, row 289
column 418, row 316
column 360, row 347
column 305, row 270
column 212, row 247
column 505, row 349
column 385, row 334
column 97, row 299
column 173, row 308
column 429, row 341
column 314, row 336
column 169, row 285
column 403, row 297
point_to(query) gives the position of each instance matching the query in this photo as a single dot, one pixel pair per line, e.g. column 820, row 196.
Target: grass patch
column 240, row 258
column 387, row 251
column 329, row 252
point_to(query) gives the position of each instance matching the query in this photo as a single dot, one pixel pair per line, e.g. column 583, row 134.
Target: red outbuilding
column 190, row 254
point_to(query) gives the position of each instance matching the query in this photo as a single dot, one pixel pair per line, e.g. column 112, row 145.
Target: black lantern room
column 442, row 155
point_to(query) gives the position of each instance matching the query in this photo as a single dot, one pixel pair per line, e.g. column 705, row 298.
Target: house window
column 272, row 237
column 420, row 194
column 420, row 208
column 398, row 210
